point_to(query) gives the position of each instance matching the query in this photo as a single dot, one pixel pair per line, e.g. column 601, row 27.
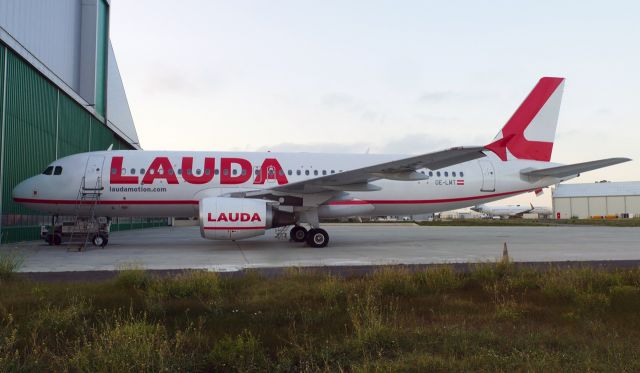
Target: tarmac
column 351, row 245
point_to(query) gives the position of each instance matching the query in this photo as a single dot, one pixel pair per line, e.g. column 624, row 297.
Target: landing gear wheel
column 298, row 233
column 100, row 240
column 317, row 238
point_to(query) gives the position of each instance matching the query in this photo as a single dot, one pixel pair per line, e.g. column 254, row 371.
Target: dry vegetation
column 493, row 318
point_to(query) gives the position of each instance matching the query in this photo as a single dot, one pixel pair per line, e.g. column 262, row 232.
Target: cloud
column 410, row 144
column 415, row 144
column 436, row 96
column 321, row 147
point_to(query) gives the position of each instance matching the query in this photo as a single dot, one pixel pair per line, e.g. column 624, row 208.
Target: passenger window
column 461, row 174
column 422, row 172
column 216, row 171
column 124, row 170
column 315, row 172
column 114, row 171
column 257, row 172
column 453, row 174
column 446, row 174
column 48, row 170
column 58, row 170
column 290, row 172
column 142, row 171
column 179, row 171
column 161, row 171
column 171, row 171
column 189, row 171
column 438, row 174
column 333, row 171
column 244, row 172
column 226, row 172
column 207, row 171
column 298, row 172
column 133, row 171
column 281, row 172
column 324, row 172
column 198, row 171
column 234, row 171
column 430, row 173
column 306, row 172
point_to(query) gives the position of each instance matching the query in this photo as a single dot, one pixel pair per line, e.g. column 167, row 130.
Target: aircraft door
column 488, row 176
column 93, row 172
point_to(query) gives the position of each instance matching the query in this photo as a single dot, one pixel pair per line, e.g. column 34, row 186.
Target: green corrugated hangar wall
column 40, row 123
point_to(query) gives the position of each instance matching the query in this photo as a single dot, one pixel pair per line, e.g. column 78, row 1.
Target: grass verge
column 494, row 317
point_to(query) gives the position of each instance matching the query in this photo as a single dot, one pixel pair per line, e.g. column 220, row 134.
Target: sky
column 401, row 77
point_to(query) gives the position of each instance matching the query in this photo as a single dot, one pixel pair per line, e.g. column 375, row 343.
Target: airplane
column 510, row 210
column 239, row 195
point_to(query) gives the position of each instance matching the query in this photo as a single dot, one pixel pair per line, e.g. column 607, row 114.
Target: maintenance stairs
column 86, row 227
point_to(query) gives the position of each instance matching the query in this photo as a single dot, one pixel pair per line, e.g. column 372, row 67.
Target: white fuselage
column 131, row 188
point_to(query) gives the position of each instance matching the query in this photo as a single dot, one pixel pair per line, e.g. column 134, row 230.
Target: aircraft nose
column 25, row 190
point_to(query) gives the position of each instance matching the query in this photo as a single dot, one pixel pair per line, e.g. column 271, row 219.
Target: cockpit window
column 58, row 170
column 48, row 171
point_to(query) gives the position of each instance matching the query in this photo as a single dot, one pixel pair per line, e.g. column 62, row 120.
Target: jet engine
column 224, row 218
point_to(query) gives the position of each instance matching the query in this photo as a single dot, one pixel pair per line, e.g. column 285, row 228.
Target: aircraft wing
column 572, row 169
column 402, row 169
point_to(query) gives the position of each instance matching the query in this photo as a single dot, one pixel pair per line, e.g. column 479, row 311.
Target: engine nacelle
column 223, row 218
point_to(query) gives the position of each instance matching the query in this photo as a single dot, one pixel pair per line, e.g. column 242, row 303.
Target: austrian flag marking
column 460, row 182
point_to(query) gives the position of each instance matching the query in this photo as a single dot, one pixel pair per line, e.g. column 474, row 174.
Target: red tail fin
column 531, row 130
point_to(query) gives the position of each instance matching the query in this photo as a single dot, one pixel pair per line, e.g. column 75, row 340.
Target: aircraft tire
column 317, row 238
column 298, row 234
column 100, row 240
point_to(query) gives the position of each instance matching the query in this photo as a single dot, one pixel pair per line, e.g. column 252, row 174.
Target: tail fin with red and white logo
column 531, row 130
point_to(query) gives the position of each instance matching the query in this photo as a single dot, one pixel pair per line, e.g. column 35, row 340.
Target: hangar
column 601, row 199
column 60, row 93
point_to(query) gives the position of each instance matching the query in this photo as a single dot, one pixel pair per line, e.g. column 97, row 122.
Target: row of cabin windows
column 57, row 170
column 225, row 172
column 446, row 173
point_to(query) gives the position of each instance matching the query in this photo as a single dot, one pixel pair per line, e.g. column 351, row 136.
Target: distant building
column 583, row 201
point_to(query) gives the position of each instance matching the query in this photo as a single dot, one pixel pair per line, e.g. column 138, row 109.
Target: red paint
column 232, row 228
column 191, row 178
column 226, row 167
column 234, row 217
column 558, row 215
column 115, row 173
column 271, row 169
column 332, row 203
column 513, row 132
column 153, row 173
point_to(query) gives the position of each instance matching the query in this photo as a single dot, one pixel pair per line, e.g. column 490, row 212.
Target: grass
column 494, row 317
column 10, row 263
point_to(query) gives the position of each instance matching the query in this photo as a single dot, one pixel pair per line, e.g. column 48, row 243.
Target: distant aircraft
column 239, row 194
column 511, row 210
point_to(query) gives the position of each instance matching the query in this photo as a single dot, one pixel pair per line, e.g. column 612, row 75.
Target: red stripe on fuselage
column 333, row 203
column 421, row 201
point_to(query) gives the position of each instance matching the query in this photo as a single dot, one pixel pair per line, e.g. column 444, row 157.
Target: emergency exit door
column 488, row 176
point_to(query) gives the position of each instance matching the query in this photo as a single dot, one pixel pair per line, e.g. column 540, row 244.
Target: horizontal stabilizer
column 572, row 169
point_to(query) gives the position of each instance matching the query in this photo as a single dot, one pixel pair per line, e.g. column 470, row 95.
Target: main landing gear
column 316, row 237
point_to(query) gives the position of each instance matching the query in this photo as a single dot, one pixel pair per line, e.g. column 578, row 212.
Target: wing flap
column 573, row 169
